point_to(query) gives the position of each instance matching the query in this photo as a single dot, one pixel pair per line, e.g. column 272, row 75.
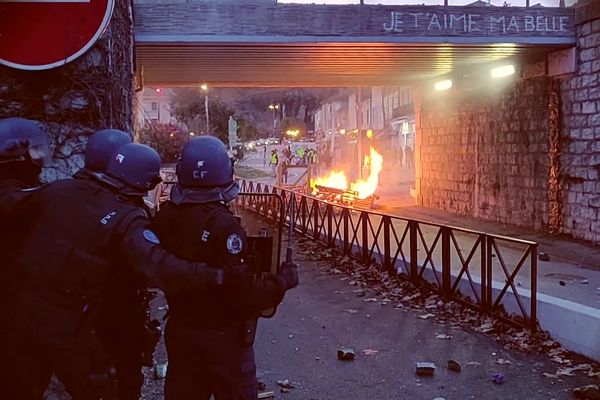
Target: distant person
column 265, row 156
column 410, row 157
column 274, row 162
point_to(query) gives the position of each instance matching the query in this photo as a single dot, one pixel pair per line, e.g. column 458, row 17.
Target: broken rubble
column 425, row 368
column 345, row 354
column 454, row 365
column 589, row 392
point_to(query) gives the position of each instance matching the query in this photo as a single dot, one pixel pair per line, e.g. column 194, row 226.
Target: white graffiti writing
column 472, row 23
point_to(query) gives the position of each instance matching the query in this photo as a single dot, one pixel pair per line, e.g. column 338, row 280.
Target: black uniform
column 83, row 230
column 12, row 195
column 209, row 335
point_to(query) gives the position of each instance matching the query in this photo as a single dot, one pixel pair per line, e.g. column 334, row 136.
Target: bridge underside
column 263, row 43
column 316, row 64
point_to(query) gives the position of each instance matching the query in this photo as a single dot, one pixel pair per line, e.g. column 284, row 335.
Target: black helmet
column 204, row 163
column 136, row 168
column 23, row 140
column 101, row 146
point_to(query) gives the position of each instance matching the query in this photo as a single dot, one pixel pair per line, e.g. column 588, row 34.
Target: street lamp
column 204, row 87
column 273, row 107
column 158, row 103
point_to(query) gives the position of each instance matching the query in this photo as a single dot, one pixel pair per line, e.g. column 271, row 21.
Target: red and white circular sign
column 43, row 34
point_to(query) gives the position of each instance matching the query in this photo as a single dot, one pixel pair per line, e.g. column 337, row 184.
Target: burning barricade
column 334, row 186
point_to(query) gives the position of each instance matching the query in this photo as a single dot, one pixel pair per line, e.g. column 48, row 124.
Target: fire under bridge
column 262, row 43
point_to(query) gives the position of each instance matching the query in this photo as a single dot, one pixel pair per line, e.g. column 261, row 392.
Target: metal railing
column 483, row 271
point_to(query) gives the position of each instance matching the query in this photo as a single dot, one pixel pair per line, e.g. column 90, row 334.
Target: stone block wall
column 72, row 102
column 580, row 155
column 483, row 152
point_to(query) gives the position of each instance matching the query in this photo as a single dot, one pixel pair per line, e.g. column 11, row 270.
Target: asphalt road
column 324, row 314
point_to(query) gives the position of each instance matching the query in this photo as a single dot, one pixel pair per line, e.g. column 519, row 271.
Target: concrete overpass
column 262, row 43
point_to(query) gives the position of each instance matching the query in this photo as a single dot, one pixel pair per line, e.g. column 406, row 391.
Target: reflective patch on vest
column 150, row 236
column 235, row 244
column 205, row 236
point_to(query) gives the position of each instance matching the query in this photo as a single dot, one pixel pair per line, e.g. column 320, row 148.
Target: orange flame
column 364, row 188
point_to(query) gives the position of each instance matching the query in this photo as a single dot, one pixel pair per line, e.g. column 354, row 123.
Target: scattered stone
column 160, row 371
column 454, row 365
column 261, row 385
column 439, row 398
column 345, row 354
column 589, row 392
column 425, row 368
column 443, row 336
column 290, row 336
column 370, row 352
column 285, row 384
column 498, row 378
column 426, row 316
column 474, row 364
column 267, row 395
column 502, row 361
column 562, row 283
column 585, row 281
column 543, row 256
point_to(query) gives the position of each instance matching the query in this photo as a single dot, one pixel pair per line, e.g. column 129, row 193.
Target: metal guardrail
column 395, row 243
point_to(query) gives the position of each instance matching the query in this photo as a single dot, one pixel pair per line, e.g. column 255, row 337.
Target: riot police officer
column 124, row 327
column 23, row 150
column 85, row 227
column 209, row 335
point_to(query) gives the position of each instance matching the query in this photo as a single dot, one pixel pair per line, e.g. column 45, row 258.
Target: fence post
column 414, row 256
column 485, row 301
column 489, row 273
column 365, row 237
column 315, row 205
column 386, row 244
column 329, row 211
column 446, row 261
column 533, row 306
column 303, row 214
column 345, row 222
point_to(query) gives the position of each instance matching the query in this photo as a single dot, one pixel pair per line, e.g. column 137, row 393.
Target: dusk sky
column 547, row 3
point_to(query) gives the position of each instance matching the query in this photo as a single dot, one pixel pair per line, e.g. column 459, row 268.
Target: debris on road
column 498, row 378
column 370, row 352
column 474, row 364
column 160, row 371
column 454, row 365
column 266, row 395
column 426, row 316
column 443, row 336
column 425, row 368
column 589, row 392
column 285, row 384
column 502, row 361
column 543, row 256
column 345, row 354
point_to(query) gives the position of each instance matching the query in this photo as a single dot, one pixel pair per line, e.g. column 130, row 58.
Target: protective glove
column 289, row 272
column 238, row 276
column 202, row 276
